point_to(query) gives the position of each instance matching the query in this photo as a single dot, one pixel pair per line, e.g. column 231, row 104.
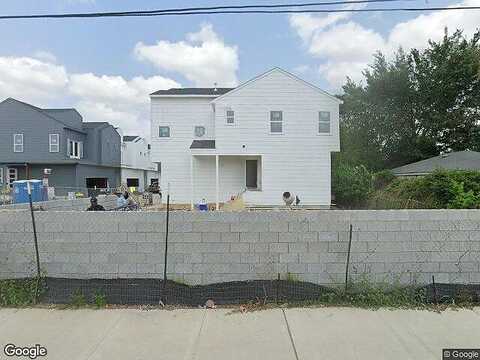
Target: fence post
column 166, row 247
column 348, row 258
column 35, row 240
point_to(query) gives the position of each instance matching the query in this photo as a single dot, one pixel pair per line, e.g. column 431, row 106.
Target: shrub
column 441, row 189
column 20, row 292
column 383, row 178
column 351, row 184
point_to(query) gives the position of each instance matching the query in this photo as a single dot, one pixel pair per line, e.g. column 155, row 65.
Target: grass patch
column 20, row 292
column 78, row 299
column 100, row 300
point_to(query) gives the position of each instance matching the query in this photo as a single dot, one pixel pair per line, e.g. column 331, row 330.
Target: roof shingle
column 193, row 91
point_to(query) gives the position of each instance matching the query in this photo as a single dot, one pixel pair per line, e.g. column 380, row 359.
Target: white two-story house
column 137, row 169
column 272, row 134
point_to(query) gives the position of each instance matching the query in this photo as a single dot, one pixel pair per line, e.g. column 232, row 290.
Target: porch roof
column 203, row 144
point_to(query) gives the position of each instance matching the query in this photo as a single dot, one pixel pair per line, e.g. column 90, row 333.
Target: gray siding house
column 81, row 155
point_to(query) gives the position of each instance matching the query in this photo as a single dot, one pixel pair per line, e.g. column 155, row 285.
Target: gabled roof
column 277, row 69
column 460, row 160
column 50, row 113
column 192, row 92
column 129, row 138
column 203, row 144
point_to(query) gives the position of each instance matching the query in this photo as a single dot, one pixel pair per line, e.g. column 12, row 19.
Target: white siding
column 297, row 160
column 182, row 115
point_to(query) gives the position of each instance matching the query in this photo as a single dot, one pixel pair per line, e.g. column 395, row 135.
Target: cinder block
column 180, row 227
column 184, row 268
column 145, row 268
column 249, row 237
column 296, row 268
column 221, row 258
column 136, row 237
column 230, row 237
column 186, row 237
column 239, row 247
column 269, row 237
column 250, row 227
column 288, row 237
column 125, row 247
column 308, row 258
column 298, row 247
column 297, row 227
column 318, row 247
column 146, row 247
column 210, row 226
column 278, row 226
column 127, row 268
column 193, row 258
column 278, row 247
column 239, row 268
column 211, row 268
column 337, row 246
column 289, row 258
column 327, row 236
column 260, row 247
column 249, row 258
column 98, row 258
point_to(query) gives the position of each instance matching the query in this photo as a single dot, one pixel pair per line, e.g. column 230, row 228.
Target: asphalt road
column 322, row 333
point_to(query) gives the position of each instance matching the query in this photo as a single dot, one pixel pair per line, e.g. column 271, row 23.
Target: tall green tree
column 413, row 106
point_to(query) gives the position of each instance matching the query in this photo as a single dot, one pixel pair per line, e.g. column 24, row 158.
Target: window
column 164, row 131
column 1, row 176
column 12, row 175
column 276, row 122
column 54, row 143
column 199, row 131
column 75, row 149
column 230, row 117
column 324, row 122
column 17, row 142
column 133, row 182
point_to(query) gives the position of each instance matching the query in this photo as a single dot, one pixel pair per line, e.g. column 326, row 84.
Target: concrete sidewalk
column 323, row 333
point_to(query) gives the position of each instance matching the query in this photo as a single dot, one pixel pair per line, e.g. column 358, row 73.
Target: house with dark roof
column 458, row 160
column 271, row 135
column 79, row 155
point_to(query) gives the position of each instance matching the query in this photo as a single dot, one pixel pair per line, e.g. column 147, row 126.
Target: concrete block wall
column 107, row 201
column 406, row 246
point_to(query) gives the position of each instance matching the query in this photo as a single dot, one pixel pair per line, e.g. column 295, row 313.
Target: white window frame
column 74, row 149
column 320, row 121
column 271, row 121
column 227, row 116
column 53, row 148
column 195, row 131
column 19, row 144
column 169, row 132
column 1, row 176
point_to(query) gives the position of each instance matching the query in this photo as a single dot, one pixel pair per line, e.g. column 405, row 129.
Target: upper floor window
column 75, row 149
column 17, row 142
column 276, row 122
column 164, row 131
column 230, row 117
column 54, row 143
column 324, row 122
column 199, row 131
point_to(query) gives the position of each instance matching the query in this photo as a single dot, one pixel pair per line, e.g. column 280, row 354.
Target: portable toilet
column 20, row 191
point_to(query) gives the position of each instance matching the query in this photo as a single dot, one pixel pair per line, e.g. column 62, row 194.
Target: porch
column 217, row 177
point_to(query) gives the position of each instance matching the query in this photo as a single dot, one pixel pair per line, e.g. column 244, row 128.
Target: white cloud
column 29, row 78
column 120, row 101
column 203, row 58
column 114, row 99
column 345, row 47
column 45, row 56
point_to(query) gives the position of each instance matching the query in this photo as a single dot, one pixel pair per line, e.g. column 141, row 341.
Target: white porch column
column 217, row 183
column 192, row 194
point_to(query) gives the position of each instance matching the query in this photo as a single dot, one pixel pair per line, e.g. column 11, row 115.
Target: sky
column 107, row 67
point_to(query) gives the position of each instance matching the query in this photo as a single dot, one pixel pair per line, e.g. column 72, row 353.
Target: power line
column 240, row 9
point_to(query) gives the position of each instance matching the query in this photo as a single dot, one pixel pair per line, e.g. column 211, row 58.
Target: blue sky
column 106, row 67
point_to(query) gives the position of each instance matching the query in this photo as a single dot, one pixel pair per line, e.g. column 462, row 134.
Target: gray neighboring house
column 81, row 155
column 460, row 160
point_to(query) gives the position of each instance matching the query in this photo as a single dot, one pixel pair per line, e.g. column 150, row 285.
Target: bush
column 351, row 184
column 441, row 189
column 383, row 178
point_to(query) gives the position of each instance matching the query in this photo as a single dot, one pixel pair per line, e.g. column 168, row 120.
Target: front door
column 251, row 174
column 12, row 175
